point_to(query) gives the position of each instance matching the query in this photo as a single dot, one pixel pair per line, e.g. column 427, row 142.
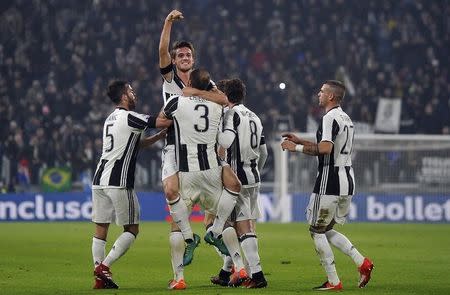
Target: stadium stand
column 57, row 57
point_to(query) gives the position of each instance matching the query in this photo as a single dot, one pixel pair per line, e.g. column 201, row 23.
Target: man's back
column 335, row 172
column 243, row 155
column 196, row 122
column 121, row 135
column 336, row 126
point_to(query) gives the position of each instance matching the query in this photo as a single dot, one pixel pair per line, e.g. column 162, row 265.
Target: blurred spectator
column 56, row 58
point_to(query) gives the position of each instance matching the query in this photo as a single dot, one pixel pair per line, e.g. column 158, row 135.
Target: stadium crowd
column 57, row 57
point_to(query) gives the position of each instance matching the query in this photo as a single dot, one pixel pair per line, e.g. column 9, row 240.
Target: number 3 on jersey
column 203, row 109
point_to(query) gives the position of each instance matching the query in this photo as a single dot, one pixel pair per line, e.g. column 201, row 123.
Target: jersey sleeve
column 138, row 122
column 330, row 128
column 229, row 119
column 263, row 139
column 166, row 70
column 171, row 107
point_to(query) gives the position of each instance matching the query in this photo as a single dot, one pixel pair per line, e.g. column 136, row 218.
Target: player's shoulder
column 118, row 113
column 337, row 114
column 333, row 113
column 244, row 111
column 136, row 114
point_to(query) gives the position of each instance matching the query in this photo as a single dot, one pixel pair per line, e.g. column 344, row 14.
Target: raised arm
column 164, row 54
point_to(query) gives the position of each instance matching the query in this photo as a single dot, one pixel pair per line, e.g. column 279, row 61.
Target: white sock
column 180, row 215
column 98, row 250
column 325, row 253
column 343, row 243
column 176, row 254
column 246, row 265
column 120, row 247
column 230, row 239
column 226, row 205
column 249, row 244
column 227, row 263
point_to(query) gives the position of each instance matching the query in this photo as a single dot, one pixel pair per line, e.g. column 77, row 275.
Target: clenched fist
column 174, row 15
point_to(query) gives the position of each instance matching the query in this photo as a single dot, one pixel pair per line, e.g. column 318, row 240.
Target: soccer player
column 175, row 68
column 113, row 196
column 335, row 184
column 197, row 122
column 244, row 140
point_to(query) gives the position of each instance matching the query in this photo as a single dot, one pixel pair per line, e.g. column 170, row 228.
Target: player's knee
column 174, row 227
column 171, row 193
column 230, row 180
column 243, row 227
column 234, row 185
column 208, row 220
column 133, row 229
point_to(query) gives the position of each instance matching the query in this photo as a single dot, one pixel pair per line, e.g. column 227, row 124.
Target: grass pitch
column 55, row 258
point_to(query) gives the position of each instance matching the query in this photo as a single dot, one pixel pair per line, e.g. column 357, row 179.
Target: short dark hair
column 235, row 90
column 200, row 79
column 116, row 89
column 181, row 44
column 337, row 87
column 221, row 85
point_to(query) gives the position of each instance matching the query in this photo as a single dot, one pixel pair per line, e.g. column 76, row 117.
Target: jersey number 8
column 253, row 135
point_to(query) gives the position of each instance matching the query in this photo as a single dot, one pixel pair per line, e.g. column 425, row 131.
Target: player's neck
column 122, row 106
column 331, row 106
column 184, row 76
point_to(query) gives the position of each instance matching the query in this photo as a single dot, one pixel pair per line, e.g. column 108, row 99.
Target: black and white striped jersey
column 244, row 153
column 171, row 89
column 121, row 135
column 336, row 175
column 196, row 123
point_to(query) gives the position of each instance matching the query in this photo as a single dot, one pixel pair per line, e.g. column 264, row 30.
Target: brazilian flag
column 56, row 179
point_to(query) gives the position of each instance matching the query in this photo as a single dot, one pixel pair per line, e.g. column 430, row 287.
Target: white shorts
column 168, row 161
column 322, row 209
column 203, row 188
column 247, row 204
column 115, row 204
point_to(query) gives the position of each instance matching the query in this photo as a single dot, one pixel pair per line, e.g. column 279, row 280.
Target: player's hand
column 162, row 134
column 222, row 153
column 290, row 136
column 189, row 91
column 174, row 15
column 288, row 145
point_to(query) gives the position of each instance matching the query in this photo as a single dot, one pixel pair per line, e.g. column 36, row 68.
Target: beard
column 131, row 103
column 184, row 70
